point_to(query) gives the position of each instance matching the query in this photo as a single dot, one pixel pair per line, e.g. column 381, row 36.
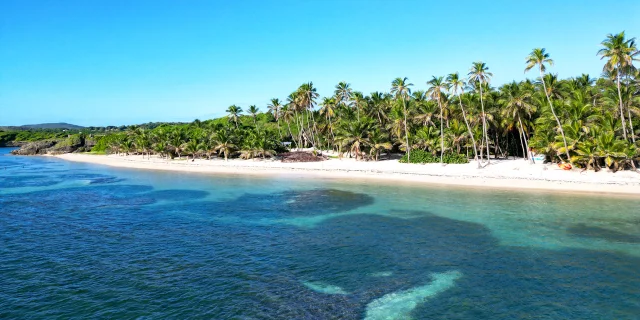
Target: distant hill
column 58, row 125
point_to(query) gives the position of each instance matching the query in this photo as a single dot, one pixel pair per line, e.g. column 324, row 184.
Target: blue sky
column 118, row 62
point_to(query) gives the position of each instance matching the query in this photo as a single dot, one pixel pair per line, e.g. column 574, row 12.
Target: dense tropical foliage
column 589, row 122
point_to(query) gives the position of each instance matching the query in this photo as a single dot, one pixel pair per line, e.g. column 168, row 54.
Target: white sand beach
column 506, row 174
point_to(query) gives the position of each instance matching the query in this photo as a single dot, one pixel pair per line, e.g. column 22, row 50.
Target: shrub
column 421, row 156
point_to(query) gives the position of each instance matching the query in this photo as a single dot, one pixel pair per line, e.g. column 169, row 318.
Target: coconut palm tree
column 619, row 53
column 253, row 111
column 234, row 112
column 516, row 106
column 402, row 89
column 456, row 86
column 355, row 135
column 378, row 141
column 274, row 108
column 479, row 74
column 328, row 109
column 192, row 147
column 225, row 143
column 540, row 58
column 343, row 94
column 436, row 86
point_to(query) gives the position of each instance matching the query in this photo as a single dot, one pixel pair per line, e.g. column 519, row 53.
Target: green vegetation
column 421, row 156
column 589, row 122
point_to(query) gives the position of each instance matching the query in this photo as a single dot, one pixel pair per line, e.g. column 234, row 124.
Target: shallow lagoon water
column 84, row 241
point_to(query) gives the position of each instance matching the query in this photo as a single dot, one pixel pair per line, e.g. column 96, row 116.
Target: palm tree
column 436, row 86
column 234, row 111
column 176, row 140
column 480, row 74
column 193, row 146
column 379, row 105
column 274, row 108
column 328, row 109
column 401, row 88
column 354, row 135
column 225, row 143
column 456, row 86
column 308, row 95
column 253, row 111
column 378, row 141
column 516, row 105
column 620, row 54
column 343, row 93
column 538, row 57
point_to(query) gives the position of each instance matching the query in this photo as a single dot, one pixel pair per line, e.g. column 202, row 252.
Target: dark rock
column 34, row 148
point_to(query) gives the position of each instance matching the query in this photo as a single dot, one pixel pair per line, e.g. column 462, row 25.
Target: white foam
column 381, row 274
column 324, row 287
column 399, row 305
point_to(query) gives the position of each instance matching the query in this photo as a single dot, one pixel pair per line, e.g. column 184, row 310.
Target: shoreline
column 501, row 174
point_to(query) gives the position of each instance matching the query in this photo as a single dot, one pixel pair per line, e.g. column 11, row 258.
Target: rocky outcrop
column 68, row 145
column 34, row 148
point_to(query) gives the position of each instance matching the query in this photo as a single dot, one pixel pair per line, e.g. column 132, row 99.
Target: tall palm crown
column 253, row 110
column 538, row 58
column 274, row 108
column 343, row 93
column 455, row 84
column 234, row 111
column 308, row 95
column 619, row 52
column 401, row 88
column 480, row 73
column 436, row 86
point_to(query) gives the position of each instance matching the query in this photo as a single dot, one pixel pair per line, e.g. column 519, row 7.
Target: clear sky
column 112, row 62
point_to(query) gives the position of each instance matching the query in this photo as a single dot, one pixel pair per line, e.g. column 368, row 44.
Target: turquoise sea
column 80, row 241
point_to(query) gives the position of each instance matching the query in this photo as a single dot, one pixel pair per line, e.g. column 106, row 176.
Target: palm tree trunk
column 564, row 139
column 526, row 143
column 315, row 128
column 484, row 125
column 406, row 131
column 520, row 135
column 632, row 133
column 441, row 134
column 624, row 126
column 278, row 124
column 473, row 140
column 290, row 132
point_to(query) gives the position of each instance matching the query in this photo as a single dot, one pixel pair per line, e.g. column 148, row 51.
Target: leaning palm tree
column 538, row 57
column 456, row 86
column 620, row 54
column 234, row 111
column 401, row 88
column 480, row 74
column 436, row 86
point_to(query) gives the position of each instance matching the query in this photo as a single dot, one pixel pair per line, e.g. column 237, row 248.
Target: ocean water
column 80, row 241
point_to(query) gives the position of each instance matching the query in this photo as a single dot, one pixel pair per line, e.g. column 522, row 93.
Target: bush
column 421, row 156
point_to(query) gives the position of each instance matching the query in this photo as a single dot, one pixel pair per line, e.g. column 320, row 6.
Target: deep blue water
column 80, row 241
